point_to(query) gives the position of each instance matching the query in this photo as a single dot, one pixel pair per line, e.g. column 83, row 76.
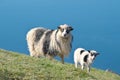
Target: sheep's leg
column 62, row 58
column 32, row 50
column 49, row 57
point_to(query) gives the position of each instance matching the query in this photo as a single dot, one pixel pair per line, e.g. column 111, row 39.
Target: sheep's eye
column 62, row 30
column 67, row 31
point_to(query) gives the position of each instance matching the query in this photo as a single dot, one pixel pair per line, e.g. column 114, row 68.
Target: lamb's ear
column 98, row 53
column 58, row 27
column 88, row 51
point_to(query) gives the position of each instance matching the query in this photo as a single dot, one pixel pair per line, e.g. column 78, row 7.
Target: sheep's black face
column 65, row 30
column 93, row 54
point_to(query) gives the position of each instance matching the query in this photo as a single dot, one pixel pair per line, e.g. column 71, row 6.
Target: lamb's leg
column 76, row 64
column 82, row 65
column 88, row 68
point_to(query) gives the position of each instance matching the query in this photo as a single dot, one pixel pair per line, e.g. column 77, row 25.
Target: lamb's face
column 65, row 30
column 93, row 54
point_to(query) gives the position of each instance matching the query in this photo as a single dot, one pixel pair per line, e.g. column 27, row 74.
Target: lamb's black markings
column 88, row 51
column 85, row 58
column 39, row 33
column 82, row 51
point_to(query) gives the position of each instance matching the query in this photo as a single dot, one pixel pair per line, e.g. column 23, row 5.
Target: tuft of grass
column 16, row 66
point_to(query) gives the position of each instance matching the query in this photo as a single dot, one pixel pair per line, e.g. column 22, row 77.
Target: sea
column 96, row 26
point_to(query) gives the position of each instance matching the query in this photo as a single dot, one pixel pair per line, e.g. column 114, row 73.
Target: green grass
column 15, row 66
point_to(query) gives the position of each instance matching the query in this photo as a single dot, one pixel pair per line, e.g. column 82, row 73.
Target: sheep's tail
column 33, row 37
column 30, row 43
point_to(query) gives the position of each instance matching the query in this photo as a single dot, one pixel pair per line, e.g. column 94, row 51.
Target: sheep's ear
column 70, row 28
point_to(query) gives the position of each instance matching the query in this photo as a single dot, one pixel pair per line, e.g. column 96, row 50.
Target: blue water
column 96, row 25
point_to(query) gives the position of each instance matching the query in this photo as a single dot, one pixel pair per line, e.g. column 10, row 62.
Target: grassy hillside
column 15, row 66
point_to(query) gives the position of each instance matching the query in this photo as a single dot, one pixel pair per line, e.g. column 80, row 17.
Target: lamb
column 84, row 57
column 50, row 43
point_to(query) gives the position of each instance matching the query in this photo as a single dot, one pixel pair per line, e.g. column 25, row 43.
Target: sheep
column 43, row 42
column 84, row 57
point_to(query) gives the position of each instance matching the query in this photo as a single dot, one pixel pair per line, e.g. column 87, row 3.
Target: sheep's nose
column 65, row 35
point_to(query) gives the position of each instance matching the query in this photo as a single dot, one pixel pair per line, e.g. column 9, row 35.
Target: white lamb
column 84, row 57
